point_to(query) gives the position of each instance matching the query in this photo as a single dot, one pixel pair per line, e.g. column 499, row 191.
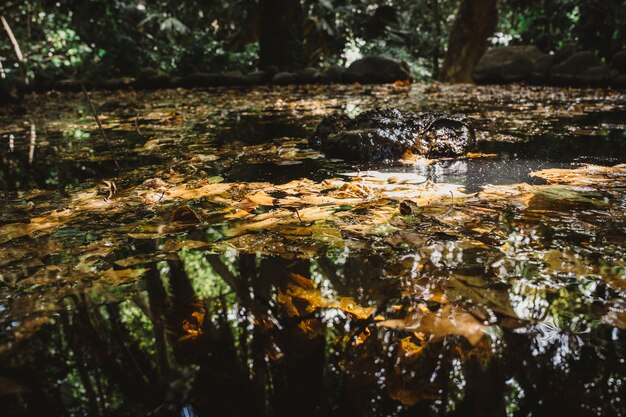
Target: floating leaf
column 184, row 214
column 446, row 321
column 261, row 198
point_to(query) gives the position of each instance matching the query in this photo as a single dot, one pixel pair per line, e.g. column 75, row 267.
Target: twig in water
column 95, row 115
column 299, row 218
column 33, row 142
column 137, row 125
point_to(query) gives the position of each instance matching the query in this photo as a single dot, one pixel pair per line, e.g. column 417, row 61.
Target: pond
column 211, row 263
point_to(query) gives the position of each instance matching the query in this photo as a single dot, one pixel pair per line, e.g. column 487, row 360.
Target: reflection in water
column 508, row 303
column 239, row 334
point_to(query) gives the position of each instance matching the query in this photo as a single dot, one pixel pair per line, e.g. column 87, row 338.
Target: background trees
column 98, row 38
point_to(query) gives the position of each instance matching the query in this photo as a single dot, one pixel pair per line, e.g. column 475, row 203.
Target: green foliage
column 595, row 25
column 49, row 44
column 104, row 39
column 415, row 31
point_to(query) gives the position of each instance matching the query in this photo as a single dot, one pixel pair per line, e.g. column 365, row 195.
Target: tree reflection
column 206, row 334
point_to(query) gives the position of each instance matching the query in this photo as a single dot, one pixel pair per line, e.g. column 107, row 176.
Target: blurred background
column 438, row 39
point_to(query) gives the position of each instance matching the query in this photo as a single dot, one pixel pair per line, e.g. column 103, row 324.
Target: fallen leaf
column 446, row 321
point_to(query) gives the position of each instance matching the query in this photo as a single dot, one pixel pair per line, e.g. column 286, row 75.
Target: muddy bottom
column 226, row 269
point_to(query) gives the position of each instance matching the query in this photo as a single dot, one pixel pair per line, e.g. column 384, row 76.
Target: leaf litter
column 454, row 246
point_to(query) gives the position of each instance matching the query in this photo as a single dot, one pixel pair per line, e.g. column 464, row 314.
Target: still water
column 228, row 270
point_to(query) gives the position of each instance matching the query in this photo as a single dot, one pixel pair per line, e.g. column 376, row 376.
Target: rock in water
column 377, row 69
column 506, row 64
column 389, row 134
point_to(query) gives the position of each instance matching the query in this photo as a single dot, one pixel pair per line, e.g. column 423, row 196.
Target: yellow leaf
column 123, row 275
column 261, row 198
column 448, row 320
column 302, row 281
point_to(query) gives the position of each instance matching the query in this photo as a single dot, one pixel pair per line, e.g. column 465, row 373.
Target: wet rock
column 506, row 64
column 581, row 68
column 377, row 69
column 389, row 134
column 618, row 61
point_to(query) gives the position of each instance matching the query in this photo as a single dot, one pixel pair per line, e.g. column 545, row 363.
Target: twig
column 16, row 47
column 33, row 142
column 95, row 115
column 299, row 218
column 137, row 125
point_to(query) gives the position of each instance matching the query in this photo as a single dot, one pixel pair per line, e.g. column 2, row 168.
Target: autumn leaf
column 447, row 320
column 261, row 198
column 184, row 214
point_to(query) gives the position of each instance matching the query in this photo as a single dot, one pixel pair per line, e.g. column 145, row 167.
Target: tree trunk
column 436, row 50
column 281, row 36
column 475, row 21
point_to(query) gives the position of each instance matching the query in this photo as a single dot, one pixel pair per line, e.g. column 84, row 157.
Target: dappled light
column 312, row 208
column 226, row 244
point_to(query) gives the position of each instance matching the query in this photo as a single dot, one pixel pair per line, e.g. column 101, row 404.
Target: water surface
column 229, row 270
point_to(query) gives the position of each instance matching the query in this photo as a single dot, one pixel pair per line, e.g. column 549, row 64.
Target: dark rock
column 541, row 70
column 377, row 69
column 114, row 84
column 388, row 134
column 8, row 92
column 72, row 85
column 152, row 82
column 305, row 76
column 40, row 84
column 506, row 64
column 308, row 75
column 619, row 61
column 147, row 73
column 543, row 64
column 565, row 52
column 271, row 69
column 323, row 78
column 233, row 75
column 284, row 78
column 310, row 71
column 257, row 77
column 619, row 81
column 204, row 79
column 581, row 68
column 336, row 74
column 594, row 76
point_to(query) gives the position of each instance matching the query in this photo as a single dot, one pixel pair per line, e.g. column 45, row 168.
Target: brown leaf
column 261, row 198
column 184, row 214
column 448, row 320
